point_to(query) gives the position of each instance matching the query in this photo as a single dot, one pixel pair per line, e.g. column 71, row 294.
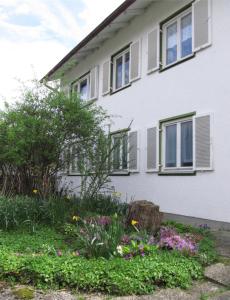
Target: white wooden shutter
column 133, row 151
column 153, row 50
column 201, row 24
column 152, row 149
column 135, row 60
column 203, row 142
column 94, row 83
column 106, row 69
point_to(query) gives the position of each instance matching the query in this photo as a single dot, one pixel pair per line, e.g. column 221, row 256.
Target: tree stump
column 147, row 215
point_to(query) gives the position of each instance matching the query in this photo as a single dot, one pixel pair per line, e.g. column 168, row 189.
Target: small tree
column 43, row 133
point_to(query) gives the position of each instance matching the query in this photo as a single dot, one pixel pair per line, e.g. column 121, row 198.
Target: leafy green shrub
column 116, row 276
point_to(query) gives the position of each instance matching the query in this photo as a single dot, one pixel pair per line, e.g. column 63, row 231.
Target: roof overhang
column 117, row 20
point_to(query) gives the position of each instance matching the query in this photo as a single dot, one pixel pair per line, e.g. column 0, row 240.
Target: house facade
column 162, row 70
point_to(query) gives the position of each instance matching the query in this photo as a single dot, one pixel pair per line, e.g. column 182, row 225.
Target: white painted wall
column 201, row 84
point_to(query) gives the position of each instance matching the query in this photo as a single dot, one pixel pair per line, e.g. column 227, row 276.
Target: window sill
column 120, row 173
column 177, row 173
column 164, row 68
column 121, row 89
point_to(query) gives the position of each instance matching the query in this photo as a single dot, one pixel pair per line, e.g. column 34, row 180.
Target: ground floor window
column 120, row 151
column 177, row 144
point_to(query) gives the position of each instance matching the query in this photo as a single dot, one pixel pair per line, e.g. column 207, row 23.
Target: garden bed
column 50, row 258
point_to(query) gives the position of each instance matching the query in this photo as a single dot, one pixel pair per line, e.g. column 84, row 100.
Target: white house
column 165, row 67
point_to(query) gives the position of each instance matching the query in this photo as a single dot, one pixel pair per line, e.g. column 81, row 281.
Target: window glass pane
column 186, row 144
column 127, row 68
column 124, row 151
column 171, row 145
column 116, row 153
column 119, row 73
column 171, row 41
column 186, row 35
column 84, row 90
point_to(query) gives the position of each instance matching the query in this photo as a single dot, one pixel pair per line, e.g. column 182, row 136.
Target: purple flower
column 170, row 239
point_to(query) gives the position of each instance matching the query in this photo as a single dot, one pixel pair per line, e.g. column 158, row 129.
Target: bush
column 116, row 276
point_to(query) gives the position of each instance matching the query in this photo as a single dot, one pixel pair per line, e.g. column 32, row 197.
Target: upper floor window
column 121, row 70
column 81, row 87
column 177, row 38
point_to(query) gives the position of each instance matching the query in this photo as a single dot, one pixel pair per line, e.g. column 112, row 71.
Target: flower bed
column 99, row 254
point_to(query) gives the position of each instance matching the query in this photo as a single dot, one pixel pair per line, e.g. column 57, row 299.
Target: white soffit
column 134, row 10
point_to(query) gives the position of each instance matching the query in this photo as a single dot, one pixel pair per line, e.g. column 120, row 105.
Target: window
column 177, row 144
column 121, row 70
column 120, row 151
column 81, row 87
column 177, row 38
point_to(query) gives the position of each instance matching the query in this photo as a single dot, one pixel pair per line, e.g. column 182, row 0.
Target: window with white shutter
column 186, row 144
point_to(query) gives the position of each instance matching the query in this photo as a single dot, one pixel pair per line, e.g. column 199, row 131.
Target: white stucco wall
column 201, row 84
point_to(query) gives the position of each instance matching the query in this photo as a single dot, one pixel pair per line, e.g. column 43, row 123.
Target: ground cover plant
column 98, row 253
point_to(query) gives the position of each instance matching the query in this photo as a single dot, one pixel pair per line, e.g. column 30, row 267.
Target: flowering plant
column 170, row 239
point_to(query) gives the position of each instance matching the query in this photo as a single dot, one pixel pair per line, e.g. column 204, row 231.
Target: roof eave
column 89, row 37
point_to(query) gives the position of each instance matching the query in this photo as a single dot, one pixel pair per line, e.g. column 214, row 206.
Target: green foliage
column 104, row 205
column 94, row 239
column 36, row 132
column 21, row 211
column 116, row 276
column 207, row 253
column 185, row 228
column 44, row 240
column 30, row 212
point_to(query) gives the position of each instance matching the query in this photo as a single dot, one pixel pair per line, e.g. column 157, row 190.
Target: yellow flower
column 76, row 218
column 134, row 222
column 35, row 191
